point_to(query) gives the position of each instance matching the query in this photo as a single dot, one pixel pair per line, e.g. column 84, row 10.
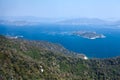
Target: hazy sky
column 61, row 8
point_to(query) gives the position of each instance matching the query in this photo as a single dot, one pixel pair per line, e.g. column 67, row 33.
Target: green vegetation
column 38, row 60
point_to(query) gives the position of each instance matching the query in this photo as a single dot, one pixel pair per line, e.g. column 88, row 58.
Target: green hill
column 39, row 60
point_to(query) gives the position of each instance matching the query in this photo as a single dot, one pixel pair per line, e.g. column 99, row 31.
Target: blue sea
column 98, row 48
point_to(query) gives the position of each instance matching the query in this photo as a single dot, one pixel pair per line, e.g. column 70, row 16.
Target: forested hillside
column 22, row 59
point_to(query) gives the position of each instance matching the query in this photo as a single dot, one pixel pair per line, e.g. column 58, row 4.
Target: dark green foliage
column 24, row 60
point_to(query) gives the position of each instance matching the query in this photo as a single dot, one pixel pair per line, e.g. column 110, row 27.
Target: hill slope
column 38, row 60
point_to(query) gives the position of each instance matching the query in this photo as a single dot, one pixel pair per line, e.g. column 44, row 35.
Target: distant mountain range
column 89, row 21
column 20, row 21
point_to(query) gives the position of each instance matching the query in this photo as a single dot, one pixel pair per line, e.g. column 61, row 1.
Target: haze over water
column 50, row 10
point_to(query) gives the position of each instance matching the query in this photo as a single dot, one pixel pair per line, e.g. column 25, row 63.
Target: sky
column 103, row 9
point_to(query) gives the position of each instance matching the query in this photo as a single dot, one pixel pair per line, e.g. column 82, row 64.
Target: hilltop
column 22, row 59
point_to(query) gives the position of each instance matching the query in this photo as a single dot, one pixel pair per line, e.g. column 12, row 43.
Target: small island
column 88, row 34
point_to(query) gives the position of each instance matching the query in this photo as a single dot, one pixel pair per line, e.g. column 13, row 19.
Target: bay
column 98, row 48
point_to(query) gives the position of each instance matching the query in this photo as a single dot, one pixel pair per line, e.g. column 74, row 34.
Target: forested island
column 88, row 34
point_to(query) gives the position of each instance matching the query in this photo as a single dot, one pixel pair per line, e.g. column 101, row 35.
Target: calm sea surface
column 100, row 48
